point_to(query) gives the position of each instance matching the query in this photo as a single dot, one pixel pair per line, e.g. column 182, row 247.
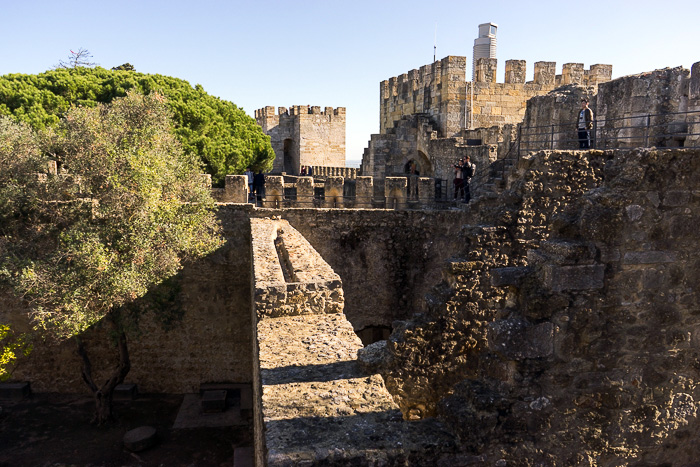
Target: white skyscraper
column 485, row 44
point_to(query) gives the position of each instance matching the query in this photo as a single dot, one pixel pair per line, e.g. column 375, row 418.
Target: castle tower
column 304, row 135
column 485, row 44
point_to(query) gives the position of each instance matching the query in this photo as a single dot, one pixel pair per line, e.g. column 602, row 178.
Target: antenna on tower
column 435, row 43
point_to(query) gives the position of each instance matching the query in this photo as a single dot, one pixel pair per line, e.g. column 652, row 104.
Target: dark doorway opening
column 372, row 334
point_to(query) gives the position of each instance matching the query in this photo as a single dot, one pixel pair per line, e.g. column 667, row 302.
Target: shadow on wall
column 189, row 322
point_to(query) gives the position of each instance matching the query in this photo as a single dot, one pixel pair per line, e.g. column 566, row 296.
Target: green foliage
column 128, row 209
column 221, row 134
column 12, row 346
column 125, row 67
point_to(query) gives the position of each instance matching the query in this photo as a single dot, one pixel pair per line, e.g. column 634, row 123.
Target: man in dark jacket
column 585, row 125
column 259, row 185
column 468, row 170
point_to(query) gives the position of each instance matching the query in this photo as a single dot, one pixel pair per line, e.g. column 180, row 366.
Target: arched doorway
column 290, row 164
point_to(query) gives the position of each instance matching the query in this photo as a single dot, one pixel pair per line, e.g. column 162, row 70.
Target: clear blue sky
column 335, row 53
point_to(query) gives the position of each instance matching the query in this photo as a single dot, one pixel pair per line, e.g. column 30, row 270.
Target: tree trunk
column 103, row 395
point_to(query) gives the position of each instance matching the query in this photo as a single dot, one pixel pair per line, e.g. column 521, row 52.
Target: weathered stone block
column 274, row 190
column 236, row 190
column 426, row 190
column 561, row 278
column 395, row 192
column 564, row 252
column 649, row 257
column 305, row 191
column 519, row 340
column 141, row 438
column 364, row 190
column 333, row 192
column 501, row 277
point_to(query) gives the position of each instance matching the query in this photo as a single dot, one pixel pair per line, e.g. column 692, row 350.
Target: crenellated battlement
column 304, row 135
column 269, row 111
column 441, row 92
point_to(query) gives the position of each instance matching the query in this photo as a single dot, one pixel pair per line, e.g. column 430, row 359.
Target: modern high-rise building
column 485, row 44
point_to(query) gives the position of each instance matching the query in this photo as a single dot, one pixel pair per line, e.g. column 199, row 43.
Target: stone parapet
column 333, row 192
column 290, row 277
column 236, row 189
column 305, row 191
column 345, row 172
column 301, row 192
column 395, row 192
column 274, row 191
column 314, row 403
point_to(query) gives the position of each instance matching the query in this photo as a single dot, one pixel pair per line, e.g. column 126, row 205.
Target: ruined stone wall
column 309, row 135
column 315, row 405
column 551, row 121
column 387, row 259
column 644, row 110
column 572, row 321
column 413, row 139
column 203, row 334
column 637, row 110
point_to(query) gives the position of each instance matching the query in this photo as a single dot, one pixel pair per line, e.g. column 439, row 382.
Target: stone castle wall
column 193, row 341
column 660, row 108
column 315, row 404
column 388, row 260
column 205, row 336
column 440, row 91
column 304, row 135
column 565, row 333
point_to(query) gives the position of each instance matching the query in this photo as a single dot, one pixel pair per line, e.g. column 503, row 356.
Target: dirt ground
column 54, row 430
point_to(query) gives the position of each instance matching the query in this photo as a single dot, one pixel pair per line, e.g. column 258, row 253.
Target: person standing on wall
column 458, row 182
column 249, row 175
column 468, row 170
column 259, row 185
column 585, row 125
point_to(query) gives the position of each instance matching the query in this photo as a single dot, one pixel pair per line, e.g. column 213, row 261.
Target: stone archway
column 290, row 162
column 422, row 164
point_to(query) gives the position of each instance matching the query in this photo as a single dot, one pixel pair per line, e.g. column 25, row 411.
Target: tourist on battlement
column 585, row 125
column 249, row 175
column 259, row 185
column 458, row 181
column 468, row 170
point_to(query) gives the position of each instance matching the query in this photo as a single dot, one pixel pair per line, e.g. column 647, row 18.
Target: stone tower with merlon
column 304, row 135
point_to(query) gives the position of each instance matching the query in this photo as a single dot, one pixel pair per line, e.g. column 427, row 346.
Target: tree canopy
column 128, row 209
column 220, row 133
column 120, row 217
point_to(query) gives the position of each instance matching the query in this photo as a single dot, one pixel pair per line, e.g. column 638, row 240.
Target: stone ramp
column 315, row 404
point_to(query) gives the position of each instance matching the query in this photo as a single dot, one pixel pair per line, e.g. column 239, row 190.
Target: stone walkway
column 317, row 406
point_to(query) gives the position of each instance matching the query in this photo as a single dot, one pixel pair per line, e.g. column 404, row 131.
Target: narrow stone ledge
column 291, row 278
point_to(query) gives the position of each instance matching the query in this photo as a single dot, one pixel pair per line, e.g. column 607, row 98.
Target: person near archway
column 458, row 181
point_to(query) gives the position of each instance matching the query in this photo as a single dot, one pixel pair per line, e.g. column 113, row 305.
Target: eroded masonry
column 554, row 320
